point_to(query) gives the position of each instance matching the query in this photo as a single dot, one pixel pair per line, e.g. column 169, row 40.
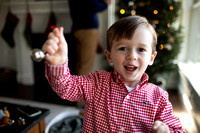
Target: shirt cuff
column 56, row 70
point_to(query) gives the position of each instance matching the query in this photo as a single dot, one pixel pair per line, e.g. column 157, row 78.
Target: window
column 189, row 59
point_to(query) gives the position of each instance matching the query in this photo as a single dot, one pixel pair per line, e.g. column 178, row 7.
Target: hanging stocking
column 51, row 23
column 28, row 29
column 9, row 27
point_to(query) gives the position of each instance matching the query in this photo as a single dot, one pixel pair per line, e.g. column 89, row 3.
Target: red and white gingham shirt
column 109, row 106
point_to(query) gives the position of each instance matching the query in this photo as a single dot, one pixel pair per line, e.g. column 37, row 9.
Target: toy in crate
column 5, row 118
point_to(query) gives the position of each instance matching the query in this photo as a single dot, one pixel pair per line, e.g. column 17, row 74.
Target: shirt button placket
column 118, row 79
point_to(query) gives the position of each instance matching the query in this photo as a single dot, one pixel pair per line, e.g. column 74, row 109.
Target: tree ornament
column 122, row 11
column 133, row 12
column 171, row 40
column 168, row 47
column 130, row 3
column 161, row 47
column 155, row 12
column 171, row 8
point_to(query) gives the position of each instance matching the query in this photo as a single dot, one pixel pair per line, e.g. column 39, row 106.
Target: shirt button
column 122, row 129
column 128, row 97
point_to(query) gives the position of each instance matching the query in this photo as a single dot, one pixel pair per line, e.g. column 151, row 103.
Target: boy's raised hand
column 56, row 47
column 160, row 127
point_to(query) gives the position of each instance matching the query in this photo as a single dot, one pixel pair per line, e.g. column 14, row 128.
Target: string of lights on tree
column 162, row 14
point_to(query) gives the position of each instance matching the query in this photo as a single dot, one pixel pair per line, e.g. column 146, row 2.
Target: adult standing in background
column 85, row 31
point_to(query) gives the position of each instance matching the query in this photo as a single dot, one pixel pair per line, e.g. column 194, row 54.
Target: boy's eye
column 123, row 48
column 141, row 49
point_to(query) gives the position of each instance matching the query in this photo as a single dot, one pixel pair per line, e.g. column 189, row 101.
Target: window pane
column 194, row 39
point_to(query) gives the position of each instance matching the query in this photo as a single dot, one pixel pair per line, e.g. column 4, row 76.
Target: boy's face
column 132, row 57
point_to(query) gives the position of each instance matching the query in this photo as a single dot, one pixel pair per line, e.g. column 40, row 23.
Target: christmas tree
column 162, row 14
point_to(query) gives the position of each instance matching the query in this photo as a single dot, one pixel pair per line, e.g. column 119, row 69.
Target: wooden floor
column 180, row 111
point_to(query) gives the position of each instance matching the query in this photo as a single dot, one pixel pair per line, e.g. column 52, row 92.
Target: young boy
column 118, row 101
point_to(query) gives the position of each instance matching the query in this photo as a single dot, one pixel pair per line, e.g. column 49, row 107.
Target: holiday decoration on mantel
column 28, row 28
column 162, row 14
column 9, row 27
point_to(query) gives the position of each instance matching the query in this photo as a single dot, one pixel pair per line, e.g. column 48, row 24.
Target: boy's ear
column 153, row 56
column 107, row 52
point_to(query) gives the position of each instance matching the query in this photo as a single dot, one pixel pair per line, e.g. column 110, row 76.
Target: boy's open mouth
column 130, row 68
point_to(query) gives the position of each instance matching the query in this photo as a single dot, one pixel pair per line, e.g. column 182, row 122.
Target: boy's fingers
column 53, row 37
column 156, row 124
column 160, row 127
column 50, row 46
column 61, row 29
column 56, row 32
column 61, row 32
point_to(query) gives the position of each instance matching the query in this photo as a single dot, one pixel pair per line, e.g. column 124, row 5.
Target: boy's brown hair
column 125, row 28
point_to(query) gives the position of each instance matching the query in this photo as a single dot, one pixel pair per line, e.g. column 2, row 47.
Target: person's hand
column 56, row 47
column 160, row 127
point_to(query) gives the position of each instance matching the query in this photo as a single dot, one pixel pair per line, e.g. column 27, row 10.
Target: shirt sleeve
column 67, row 86
column 165, row 115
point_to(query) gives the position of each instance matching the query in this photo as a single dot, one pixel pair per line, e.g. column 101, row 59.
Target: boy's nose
column 132, row 55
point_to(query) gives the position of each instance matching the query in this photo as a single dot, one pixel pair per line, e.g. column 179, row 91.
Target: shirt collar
column 117, row 77
column 144, row 79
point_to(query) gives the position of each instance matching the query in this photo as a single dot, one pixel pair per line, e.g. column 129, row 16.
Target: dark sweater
column 84, row 13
